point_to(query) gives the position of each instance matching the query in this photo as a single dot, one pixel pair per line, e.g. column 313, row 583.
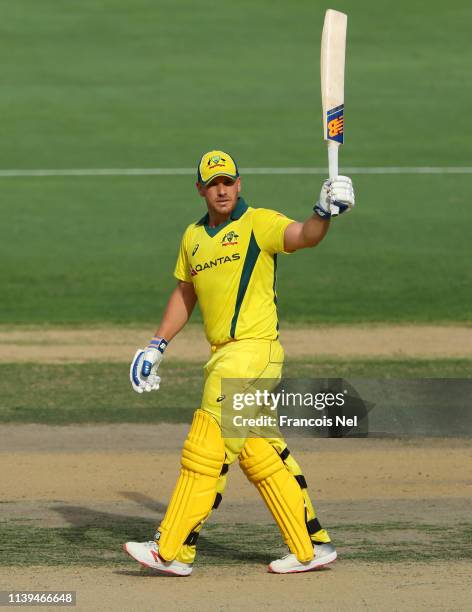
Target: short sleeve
column 269, row 228
column 182, row 267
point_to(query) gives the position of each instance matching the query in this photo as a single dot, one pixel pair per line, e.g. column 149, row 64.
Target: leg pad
column 281, row 493
column 195, row 493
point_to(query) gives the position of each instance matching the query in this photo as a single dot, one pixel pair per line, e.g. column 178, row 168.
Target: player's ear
column 200, row 189
column 238, row 184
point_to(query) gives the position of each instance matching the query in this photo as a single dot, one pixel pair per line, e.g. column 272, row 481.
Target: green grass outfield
column 96, row 542
column 101, row 393
column 101, row 84
column 104, row 249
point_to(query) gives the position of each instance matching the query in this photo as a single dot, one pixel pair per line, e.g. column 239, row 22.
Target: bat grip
column 333, row 168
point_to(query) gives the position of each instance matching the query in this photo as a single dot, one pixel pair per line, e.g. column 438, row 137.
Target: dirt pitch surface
column 118, row 344
column 59, row 476
column 63, row 477
column 346, row 587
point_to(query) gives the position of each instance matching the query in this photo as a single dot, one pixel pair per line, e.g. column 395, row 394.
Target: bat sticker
column 335, row 124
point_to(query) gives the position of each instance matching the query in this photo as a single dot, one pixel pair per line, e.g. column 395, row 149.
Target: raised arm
column 303, row 235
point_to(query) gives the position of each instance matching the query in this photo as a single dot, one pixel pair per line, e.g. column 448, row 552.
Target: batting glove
column 143, row 369
column 336, row 197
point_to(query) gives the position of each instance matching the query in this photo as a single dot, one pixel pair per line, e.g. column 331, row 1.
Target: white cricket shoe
column 147, row 553
column 324, row 554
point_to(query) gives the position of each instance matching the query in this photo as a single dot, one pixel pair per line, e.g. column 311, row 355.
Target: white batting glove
column 336, row 197
column 143, row 369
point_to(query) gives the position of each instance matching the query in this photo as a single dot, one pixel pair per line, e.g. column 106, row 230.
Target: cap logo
column 216, row 162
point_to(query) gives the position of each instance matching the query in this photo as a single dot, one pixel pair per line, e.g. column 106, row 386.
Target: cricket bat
column 333, row 54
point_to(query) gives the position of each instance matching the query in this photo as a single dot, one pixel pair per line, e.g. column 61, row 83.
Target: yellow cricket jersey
column 233, row 270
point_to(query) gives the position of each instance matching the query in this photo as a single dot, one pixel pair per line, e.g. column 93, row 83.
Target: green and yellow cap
column 216, row 163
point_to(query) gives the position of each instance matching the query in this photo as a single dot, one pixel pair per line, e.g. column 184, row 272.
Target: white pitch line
column 266, row 171
column 366, row 170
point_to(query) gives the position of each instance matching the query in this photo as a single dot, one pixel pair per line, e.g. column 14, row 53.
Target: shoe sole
column 311, row 569
column 156, row 569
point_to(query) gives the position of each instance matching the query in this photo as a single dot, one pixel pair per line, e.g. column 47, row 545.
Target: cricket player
column 227, row 261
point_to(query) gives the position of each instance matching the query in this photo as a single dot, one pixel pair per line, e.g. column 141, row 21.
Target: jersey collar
column 237, row 213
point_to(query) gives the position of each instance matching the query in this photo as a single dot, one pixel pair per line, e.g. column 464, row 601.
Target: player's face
column 221, row 194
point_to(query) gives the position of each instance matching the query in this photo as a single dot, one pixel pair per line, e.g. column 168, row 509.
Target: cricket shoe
column 147, row 553
column 324, row 554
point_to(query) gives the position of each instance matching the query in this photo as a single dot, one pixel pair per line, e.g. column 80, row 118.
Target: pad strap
column 284, row 454
column 313, row 526
column 192, row 538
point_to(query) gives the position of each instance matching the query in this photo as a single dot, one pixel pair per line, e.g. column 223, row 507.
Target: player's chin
column 224, row 207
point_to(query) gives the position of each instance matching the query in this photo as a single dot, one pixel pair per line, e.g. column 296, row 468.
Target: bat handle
column 333, row 149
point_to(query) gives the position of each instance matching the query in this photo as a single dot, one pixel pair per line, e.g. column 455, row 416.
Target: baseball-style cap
column 216, row 163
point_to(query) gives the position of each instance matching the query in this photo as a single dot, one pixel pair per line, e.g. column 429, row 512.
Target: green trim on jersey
column 237, row 213
column 275, row 293
column 250, row 260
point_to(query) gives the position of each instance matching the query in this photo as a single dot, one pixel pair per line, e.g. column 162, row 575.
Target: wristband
column 158, row 343
column 324, row 214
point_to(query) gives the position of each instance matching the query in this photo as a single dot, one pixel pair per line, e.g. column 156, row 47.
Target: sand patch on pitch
column 119, row 344
column 106, row 463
